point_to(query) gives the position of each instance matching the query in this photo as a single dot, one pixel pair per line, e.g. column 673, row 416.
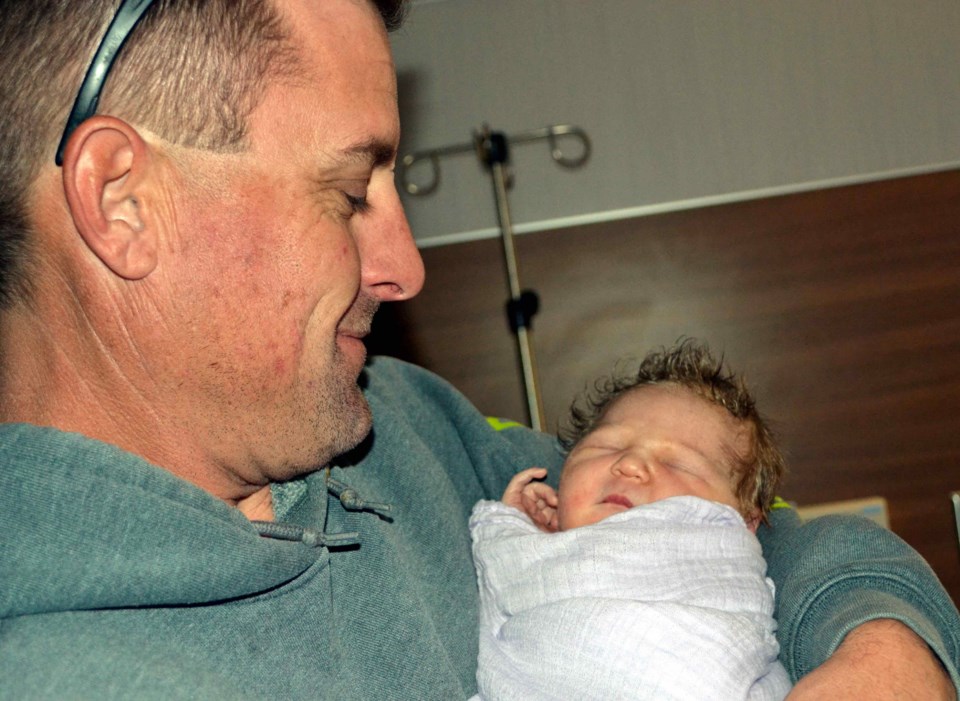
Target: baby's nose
column 633, row 466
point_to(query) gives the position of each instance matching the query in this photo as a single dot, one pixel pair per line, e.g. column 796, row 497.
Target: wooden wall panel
column 842, row 306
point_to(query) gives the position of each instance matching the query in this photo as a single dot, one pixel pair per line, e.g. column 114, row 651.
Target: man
column 189, row 269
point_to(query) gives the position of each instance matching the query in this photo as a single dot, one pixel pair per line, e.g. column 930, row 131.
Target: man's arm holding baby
column 844, row 585
column 880, row 659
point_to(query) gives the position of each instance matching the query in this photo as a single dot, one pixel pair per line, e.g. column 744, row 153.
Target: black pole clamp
column 492, row 148
column 520, row 311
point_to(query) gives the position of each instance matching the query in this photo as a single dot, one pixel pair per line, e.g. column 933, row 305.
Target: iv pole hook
column 492, row 148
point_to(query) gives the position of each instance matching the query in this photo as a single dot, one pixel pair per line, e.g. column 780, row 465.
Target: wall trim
column 682, row 205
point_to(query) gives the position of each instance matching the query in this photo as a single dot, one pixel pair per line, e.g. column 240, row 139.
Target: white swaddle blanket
column 664, row 601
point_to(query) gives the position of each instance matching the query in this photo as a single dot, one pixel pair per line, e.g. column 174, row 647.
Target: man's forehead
column 339, row 104
column 319, row 26
column 339, row 43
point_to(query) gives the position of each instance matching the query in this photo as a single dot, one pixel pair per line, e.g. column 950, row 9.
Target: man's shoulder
column 28, row 444
column 404, row 396
column 417, row 409
column 385, row 376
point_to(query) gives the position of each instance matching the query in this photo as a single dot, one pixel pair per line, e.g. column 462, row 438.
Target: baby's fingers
column 540, row 509
column 541, row 491
column 520, row 481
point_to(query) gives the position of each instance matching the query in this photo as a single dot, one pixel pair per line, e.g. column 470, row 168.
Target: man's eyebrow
column 374, row 152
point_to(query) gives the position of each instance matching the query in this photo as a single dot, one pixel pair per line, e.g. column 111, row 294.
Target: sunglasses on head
column 85, row 106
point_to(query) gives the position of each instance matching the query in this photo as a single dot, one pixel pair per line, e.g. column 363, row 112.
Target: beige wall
column 684, row 99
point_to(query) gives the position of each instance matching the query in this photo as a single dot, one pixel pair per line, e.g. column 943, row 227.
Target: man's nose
column 390, row 264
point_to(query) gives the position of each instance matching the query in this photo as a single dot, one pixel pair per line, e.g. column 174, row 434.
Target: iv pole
column 492, row 148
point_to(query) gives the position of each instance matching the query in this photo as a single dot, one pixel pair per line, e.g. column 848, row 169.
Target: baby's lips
column 619, row 500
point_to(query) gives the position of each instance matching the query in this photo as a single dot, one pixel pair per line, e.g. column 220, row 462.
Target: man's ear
column 106, row 178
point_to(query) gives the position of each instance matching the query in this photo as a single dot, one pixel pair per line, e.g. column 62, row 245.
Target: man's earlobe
column 106, row 169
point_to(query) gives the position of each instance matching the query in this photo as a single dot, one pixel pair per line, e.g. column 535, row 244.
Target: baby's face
column 654, row 442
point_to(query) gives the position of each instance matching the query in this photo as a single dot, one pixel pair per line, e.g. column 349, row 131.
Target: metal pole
column 518, row 319
column 491, row 148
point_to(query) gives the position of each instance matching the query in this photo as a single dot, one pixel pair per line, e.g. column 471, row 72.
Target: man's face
column 286, row 251
column 652, row 443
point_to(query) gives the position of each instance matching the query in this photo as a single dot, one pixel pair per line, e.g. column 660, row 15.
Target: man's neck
column 47, row 384
column 258, row 506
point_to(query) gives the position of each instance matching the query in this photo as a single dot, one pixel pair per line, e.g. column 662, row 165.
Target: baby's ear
column 753, row 520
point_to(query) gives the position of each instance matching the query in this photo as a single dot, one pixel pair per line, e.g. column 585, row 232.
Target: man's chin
column 356, row 424
column 336, row 441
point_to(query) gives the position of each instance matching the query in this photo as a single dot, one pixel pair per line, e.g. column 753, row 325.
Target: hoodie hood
column 72, row 537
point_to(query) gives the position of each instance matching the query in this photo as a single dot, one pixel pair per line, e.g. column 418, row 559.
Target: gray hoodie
column 119, row 580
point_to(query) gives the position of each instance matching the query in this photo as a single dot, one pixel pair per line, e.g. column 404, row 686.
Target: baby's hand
column 536, row 499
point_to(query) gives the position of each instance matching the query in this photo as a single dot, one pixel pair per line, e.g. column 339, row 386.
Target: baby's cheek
column 570, row 503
